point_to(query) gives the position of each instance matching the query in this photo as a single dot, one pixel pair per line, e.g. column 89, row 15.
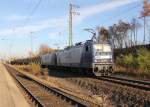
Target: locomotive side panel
column 76, row 55
column 49, row 59
column 86, row 58
column 70, row 57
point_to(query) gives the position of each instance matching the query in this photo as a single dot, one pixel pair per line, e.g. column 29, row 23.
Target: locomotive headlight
column 103, row 60
column 111, row 60
column 95, row 60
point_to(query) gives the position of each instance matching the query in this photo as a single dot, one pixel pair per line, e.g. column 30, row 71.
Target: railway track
column 42, row 95
column 143, row 85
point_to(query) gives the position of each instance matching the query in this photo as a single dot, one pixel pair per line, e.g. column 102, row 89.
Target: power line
column 32, row 12
column 35, row 8
column 123, row 12
column 30, row 4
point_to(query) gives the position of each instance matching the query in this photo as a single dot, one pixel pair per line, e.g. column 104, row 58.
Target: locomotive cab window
column 86, row 48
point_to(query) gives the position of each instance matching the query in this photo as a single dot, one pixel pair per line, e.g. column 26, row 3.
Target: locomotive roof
column 85, row 42
column 79, row 44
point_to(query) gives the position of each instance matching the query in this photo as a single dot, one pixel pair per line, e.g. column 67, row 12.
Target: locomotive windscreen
column 102, row 53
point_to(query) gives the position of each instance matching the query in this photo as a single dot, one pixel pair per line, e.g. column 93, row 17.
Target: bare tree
column 44, row 49
column 31, row 54
column 135, row 25
column 119, row 34
column 103, row 34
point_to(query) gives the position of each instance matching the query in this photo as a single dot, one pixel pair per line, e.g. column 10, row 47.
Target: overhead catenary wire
column 32, row 12
column 122, row 13
column 27, row 21
column 28, row 18
column 133, row 8
column 30, row 4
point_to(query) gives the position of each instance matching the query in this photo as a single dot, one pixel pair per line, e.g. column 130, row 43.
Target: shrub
column 140, row 61
column 119, row 61
column 36, row 68
column 144, row 60
column 128, row 60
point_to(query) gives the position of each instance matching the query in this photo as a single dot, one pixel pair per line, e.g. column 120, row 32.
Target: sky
column 46, row 21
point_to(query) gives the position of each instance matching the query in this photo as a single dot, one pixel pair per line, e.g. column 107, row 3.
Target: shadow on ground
column 67, row 74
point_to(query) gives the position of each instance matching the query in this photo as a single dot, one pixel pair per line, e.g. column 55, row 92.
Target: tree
column 44, row 49
column 119, row 34
column 103, row 34
column 135, row 25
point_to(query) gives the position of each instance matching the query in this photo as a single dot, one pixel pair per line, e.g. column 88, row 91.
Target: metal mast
column 144, row 14
column 71, row 13
column 31, row 40
column 70, row 25
column 144, row 29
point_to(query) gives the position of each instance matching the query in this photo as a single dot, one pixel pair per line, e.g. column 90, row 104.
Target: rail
column 143, row 85
column 62, row 95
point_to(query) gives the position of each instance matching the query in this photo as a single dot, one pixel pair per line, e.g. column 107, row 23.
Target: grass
column 36, row 68
column 26, row 68
column 136, row 74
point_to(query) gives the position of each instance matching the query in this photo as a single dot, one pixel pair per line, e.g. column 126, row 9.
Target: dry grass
column 31, row 68
column 138, row 73
column 36, row 68
column 26, row 68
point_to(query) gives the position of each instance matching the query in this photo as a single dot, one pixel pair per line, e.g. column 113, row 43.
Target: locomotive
column 89, row 57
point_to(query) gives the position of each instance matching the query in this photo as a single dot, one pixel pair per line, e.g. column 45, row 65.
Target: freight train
column 89, row 57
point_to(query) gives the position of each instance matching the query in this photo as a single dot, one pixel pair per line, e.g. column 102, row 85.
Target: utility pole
column 70, row 25
column 71, row 12
column 135, row 25
column 31, row 40
column 57, row 46
column 10, row 48
column 134, row 30
column 145, row 13
column 144, row 29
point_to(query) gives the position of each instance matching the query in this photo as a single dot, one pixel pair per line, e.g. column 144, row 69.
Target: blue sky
column 49, row 22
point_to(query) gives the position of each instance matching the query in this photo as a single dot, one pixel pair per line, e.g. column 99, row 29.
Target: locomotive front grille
column 103, row 60
column 102, row 69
